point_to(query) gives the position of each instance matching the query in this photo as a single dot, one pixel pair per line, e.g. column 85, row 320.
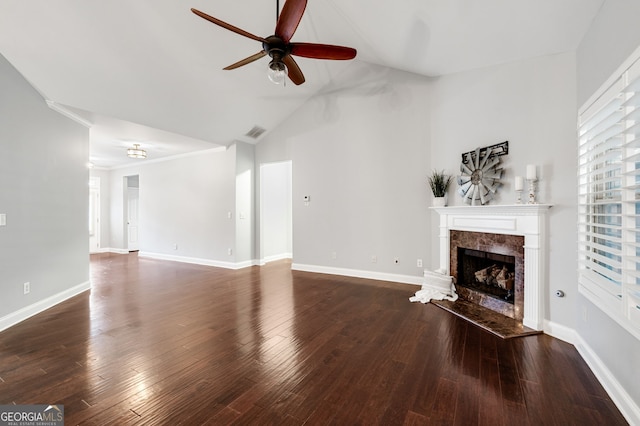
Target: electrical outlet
column 584, row 313
column 374, row 259
column 175, row 247
column 334, row 255
column 419, row 263
column 229, row 251
column 26, row 287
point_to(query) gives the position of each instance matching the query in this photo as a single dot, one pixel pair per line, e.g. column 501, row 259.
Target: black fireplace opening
column 489, row 273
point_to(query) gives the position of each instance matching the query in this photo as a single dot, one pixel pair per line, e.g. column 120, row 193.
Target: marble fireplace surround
column 528, row 220
column 497, row 244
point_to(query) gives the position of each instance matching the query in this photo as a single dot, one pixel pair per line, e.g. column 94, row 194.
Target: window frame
column 608, row 168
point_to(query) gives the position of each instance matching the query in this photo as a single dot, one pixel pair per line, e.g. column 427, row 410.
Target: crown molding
column 68, row 113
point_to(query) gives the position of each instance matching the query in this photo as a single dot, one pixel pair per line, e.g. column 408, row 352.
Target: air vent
column 255, row 132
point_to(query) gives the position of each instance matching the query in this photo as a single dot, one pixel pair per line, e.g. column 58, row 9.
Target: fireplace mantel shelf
column 506, row 209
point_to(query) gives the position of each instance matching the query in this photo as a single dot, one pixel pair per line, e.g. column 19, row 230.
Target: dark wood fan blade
column 290, row 18
column 246, row 61
column 294, row 71
column 227, row 26
column 322, row 51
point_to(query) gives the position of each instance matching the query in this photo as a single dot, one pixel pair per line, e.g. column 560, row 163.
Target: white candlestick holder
column 519, row 196
column 532, row 191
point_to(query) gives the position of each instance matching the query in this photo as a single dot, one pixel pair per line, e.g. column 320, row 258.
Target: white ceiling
column 154, row 63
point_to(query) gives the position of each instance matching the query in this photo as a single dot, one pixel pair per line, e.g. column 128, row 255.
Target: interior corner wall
column 184, row 202
column 44, row 194
column 532, row 105
column 613, row 36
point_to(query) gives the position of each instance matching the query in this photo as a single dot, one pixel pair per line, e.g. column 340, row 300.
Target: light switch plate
column 3, row 219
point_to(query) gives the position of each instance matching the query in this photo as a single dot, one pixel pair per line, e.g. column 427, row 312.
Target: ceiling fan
column 279, row 48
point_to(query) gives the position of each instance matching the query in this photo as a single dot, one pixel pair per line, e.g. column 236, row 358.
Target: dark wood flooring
column 166, row 343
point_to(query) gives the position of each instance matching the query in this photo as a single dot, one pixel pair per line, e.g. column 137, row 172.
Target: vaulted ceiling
column 150, row 71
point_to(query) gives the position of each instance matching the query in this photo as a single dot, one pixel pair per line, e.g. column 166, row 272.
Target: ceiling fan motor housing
column 276, row 48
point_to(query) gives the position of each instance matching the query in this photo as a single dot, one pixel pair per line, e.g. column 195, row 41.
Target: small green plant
column 439, row 183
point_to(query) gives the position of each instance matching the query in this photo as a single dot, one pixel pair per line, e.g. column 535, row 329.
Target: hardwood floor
column 158, row 342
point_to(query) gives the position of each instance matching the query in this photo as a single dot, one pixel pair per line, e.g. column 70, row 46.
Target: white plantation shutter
column 609, row 198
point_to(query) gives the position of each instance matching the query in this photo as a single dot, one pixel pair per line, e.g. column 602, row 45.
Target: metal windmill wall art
column 480, row 173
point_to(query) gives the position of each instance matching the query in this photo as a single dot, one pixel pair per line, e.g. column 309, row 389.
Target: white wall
column 360, row 151
column 532, row 105
column 183, row 201
column 612, row 37
column 44, row 193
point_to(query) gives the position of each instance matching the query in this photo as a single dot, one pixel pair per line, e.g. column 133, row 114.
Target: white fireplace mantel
column 528, row 220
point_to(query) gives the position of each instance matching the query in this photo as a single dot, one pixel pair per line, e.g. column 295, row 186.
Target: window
column 609, row 197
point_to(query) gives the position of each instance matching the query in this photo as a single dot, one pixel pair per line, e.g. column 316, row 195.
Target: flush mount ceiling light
column 136, row 152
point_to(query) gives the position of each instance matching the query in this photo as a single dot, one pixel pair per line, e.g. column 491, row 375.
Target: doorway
column 132, row 211
column 276, row 217
column 94, row 214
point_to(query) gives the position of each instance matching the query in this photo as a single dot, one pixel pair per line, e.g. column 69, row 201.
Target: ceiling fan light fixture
column 280, row 47
column 136, row 152
column 277, row 72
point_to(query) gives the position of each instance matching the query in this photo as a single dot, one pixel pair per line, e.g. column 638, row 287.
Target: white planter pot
column 439, row 201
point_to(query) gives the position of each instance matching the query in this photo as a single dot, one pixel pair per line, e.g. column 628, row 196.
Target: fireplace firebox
column 490, row 273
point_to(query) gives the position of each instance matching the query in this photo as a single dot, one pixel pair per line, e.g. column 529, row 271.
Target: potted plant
column 439, row 183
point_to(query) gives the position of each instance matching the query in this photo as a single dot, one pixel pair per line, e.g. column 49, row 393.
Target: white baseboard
column 109, row 250
column 629, row 409
column 274, row 258
column 372, row 275
column 31, row 310
column 627, row 406
column 198, row 261
column 561, row 332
